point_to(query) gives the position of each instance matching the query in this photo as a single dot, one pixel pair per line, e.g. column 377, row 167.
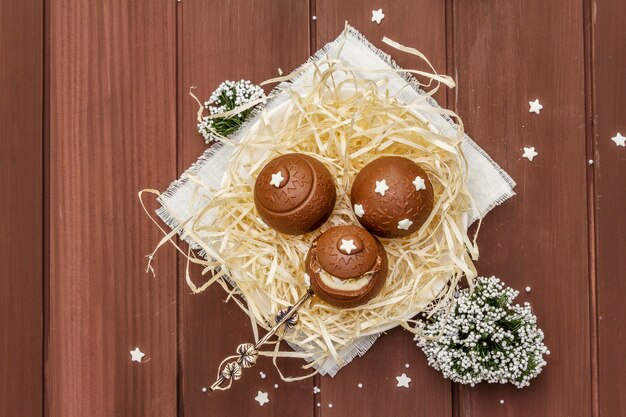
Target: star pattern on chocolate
column 419, row 183
column 381, row 187
column 347, row 246
column 297, row 180
column 277, row 179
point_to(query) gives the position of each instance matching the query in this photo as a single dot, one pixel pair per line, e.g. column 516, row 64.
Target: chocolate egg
column 347, row 266
column 294, row 194
column 392, row 196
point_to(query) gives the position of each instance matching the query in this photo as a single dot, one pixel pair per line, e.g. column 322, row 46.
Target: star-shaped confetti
column 404, row 224
column 535, row 106
column 419, row 183
column 377, row 16
column 316, row 390
column 529, row 153
column 277, row 179
column 381, row 187
column 347, row 246
column 403, row 381
column 262, row 398
column 358, row 210
column 136, row 355
column 619, row 139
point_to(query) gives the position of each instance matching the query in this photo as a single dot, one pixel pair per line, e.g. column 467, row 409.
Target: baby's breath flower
column 485, row 337
column 229, row 95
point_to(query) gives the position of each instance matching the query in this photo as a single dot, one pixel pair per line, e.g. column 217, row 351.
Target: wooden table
column 95, row 107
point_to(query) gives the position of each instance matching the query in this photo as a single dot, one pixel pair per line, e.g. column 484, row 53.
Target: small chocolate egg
column 347, row 266
column 294, row 194
column 392, row 196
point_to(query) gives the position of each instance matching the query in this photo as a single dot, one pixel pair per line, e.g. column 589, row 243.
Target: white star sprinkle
column 347, row 246
column 275, row 385
column 419, row 183
column 535, row 106
column 316, row 390
column 277, row 179
column 403, row 381
column 358, row 210
column 360, row 385
column 136, row 355
column 381, row 187
column 529, row 153
column 404, row 224
column 619, row 139
column 262, row 398
column 377, row 15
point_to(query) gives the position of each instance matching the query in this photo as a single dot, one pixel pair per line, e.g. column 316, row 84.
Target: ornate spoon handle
column 247, row 353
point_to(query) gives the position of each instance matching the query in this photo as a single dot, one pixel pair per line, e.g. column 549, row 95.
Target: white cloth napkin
column 488, row 184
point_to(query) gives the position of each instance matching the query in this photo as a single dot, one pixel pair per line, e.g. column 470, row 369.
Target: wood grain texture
column 112, row 133
column 120, row 120
column 609, row 117
column 222, row 40
column 430, row 394
column 21, row 213
column 506, row 54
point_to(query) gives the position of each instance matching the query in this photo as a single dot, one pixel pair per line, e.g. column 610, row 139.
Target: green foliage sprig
column 485, row 337
column 228, row 96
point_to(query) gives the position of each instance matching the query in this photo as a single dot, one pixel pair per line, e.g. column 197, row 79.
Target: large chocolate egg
column 347, row 266
column 294, row 194
column 392, row 196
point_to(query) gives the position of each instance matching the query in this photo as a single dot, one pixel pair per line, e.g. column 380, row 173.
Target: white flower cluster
column 228, row 96
column 485, row 337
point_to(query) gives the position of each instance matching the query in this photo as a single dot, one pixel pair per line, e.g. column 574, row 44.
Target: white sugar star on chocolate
column 419, row 183
column 277, row 179
column 136, row 355
column 404, row 224
column 529, row 153
column 377, row 16
column 262, row 398
column 619, row 139
column 407, row 196
column 382, row 187
column 403, row 381
column 358, row 210
column 347, row 246
column 535, row 106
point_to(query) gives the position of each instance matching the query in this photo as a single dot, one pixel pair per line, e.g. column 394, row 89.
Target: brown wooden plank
column 609, row 113
column 21, row 219
column 430, row 394
column 112, row 133
column 222, row 40
column 506, row 54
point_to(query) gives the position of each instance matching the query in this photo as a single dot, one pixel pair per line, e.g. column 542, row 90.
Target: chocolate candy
column 392, row 196
column 294, row 194
column 347, row 266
